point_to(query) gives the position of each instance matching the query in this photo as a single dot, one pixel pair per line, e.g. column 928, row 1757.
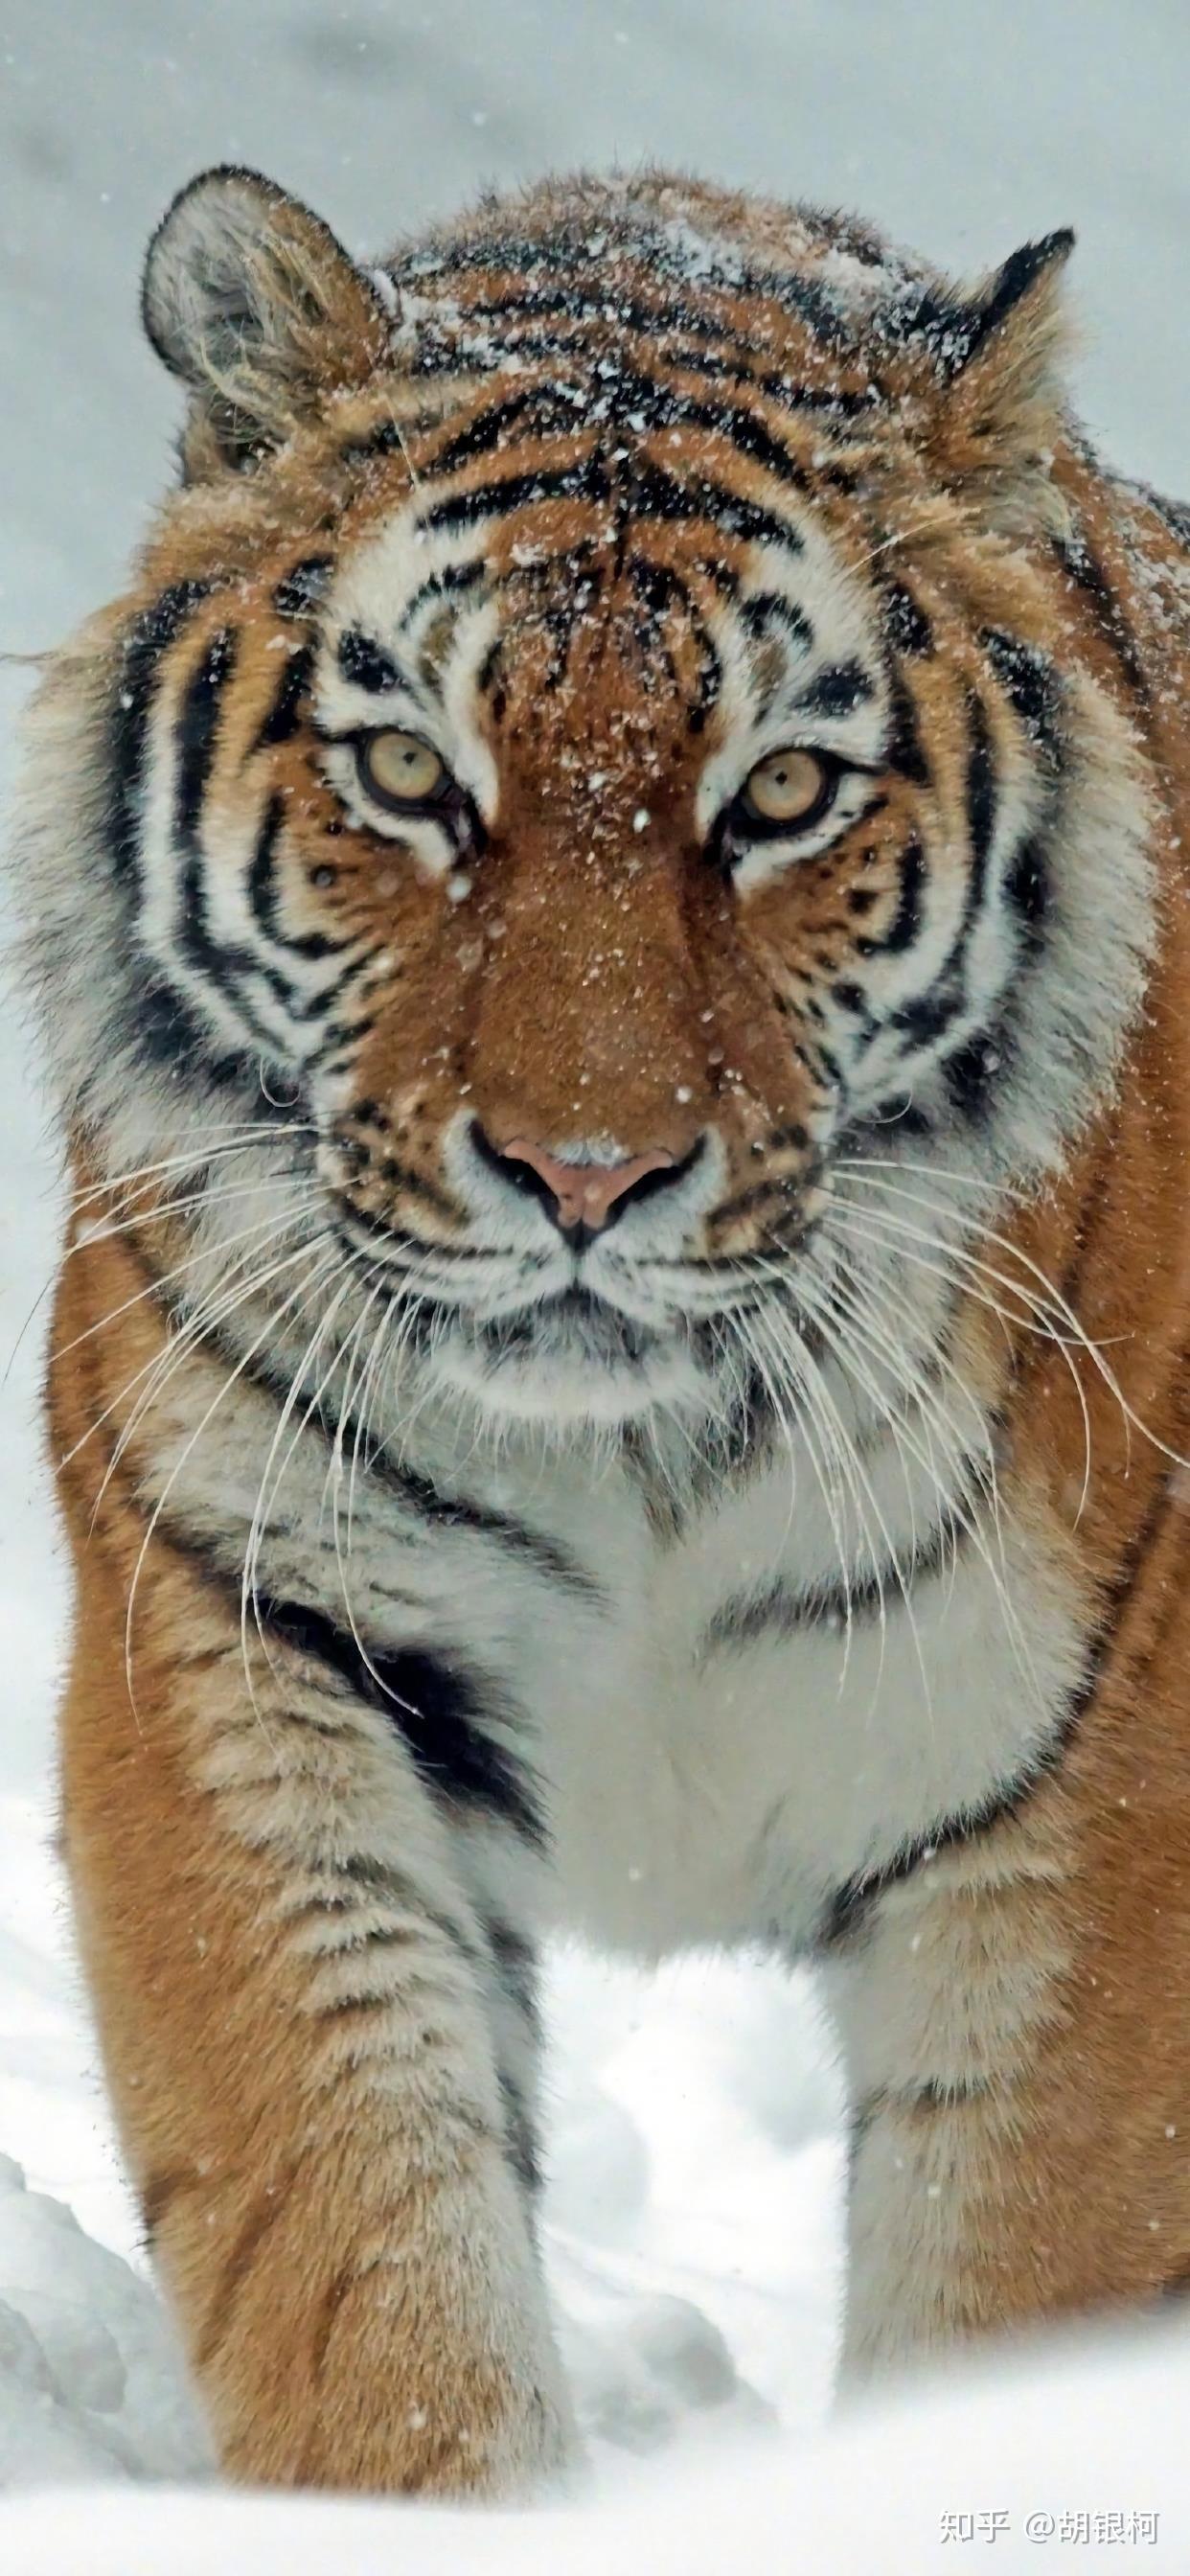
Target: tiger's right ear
column 249, row 298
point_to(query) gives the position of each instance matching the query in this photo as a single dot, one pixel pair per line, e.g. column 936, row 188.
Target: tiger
column 607, row 914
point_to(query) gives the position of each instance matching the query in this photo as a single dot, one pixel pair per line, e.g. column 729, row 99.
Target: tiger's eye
column 398, row 769
column 788, row 787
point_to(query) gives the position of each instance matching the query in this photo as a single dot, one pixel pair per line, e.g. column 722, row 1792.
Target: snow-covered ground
column 695, row 2198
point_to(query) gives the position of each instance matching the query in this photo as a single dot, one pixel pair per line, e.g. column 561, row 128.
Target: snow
column 1075, row 2458
column 695, row 2200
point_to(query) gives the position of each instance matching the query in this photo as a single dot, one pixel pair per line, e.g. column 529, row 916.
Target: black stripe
column 197, row 729
column 450, row 583
column 848, row 1913
column 195, row 740
column 385, row 439
column 390, row 437
column 365, row 663
column 488, row 673
column 974, row 1072
column 348, row 1037
column 781, row 1610
column 357, row 1883
column 148, row 639
column 586, row 304
column 657, row 494
column 933, row 2094
column 282, row 720
column 551, row 255
column 825, row 319
column 587, row 480
column 564, row 621
column 927, row 1019
column 836, row 691
column 942, row 2093
column 1030, row 683
column 779, row 387
column 981, row 799
column 440, row 1708
column 923, row 1022
column 1166, row 1497
column 648, row 491
column 776, row 1193
column 215, row 962
column 158, row 1028
column 399, row 1176
column 299, row 590
column 405, row 1248
column 851, row 997
column 1027, row 884
column 541, row 406
column 437, row 356
column 660, row 589
column 664, row 406
column 734, row 1446
column 167, row 1035
column 765, row 608
column 850, row 1908
column 456, row 1511
column 1087, row 573
column 546, row 1557
column 584, row 289
column 262, row 894
column 905, row 752
column 906, row 626
column 907, row 919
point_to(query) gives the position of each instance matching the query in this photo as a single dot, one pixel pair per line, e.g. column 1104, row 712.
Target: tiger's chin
column 571, row 1361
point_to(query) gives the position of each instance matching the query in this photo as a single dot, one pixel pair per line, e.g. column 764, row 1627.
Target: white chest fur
column 723, row 1754
column 720, row 1747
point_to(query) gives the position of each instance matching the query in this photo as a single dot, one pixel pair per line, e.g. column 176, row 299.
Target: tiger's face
column 620, row 834
column 606, row 783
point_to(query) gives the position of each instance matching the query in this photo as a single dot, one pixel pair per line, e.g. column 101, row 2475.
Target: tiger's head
column 596, row 739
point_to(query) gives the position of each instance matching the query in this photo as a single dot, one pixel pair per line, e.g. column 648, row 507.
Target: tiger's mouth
column 568, row 1357
column 577, row 1317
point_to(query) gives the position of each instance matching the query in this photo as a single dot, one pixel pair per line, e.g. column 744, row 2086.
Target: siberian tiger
column 609, row 915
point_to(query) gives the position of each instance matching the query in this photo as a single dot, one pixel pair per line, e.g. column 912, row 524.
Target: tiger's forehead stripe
column 647, row 267
column 787, row 631
column 569, row 477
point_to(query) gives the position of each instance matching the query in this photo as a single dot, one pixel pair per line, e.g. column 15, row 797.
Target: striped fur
column 799, row 1558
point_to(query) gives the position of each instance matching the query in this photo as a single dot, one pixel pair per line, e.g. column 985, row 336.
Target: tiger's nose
column 579, row 1196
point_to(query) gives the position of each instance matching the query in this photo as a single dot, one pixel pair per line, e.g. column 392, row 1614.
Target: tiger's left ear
column 251, row 300
column 994, row 406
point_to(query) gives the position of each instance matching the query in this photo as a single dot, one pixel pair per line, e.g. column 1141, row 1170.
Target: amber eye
column 399, row 770
column 790, row 787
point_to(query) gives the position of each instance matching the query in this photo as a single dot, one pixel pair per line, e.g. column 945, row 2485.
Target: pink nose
column 584, row 1193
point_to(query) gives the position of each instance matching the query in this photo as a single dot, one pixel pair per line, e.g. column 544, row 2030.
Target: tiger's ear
column 249, row 298
column 994, row 408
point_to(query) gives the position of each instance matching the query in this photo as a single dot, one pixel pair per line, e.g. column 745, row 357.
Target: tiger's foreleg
column 1014, row 2160
column 319, row 2051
